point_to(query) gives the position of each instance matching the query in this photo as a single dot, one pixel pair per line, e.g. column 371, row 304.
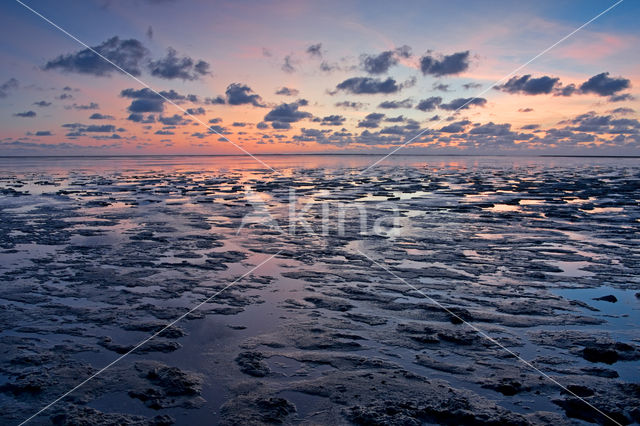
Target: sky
column 230, row 77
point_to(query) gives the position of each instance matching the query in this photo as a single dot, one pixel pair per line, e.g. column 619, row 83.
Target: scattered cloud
column 529, row 85
column 287, row 91
column 127, row 54
column 380, row 64
column 98, row 116
column 315, row 50
column 603, row 85
column 406, row 103
column 26, row 114
column 240, row 94
column 368, row 85
column 463, row 103
column 42, row 104
column 441, row 65
column 429, row 104
column 184, row 68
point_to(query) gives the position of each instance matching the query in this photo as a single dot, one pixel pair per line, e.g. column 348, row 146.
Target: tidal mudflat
column 345, row 324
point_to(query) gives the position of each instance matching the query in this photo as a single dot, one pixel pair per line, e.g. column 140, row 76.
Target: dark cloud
column 26, row 114
column 525, row 110
column 528, row 85
column 196, row 111
column 604, row 85
column 262, row 125
column 99, row 128
column 65, row 96
column 238, row 124
column 333, row 120
column 379, row 64
column 44, row 133
column 327, row 67
column 280, row 125
column 368, row 85
column 8, row 86
column 350, row 105
column 286, row 113
column 127, row 54
column 146, row 93
column 398, row 119
column 146, row 105
column 218, row 100
column 240, row 94
column 164, row 132
column 174, row 120
column 429, row 104
column 98, row 116
column 215, row 120
column 139, row 118
column 371, row 121
column 406, row 103
column 567, row 90
column 42, row 103
column 184, row 68
column 463, row 103
column 315, row 50
column 444, row 64
column 287, row 91
column 455, row 127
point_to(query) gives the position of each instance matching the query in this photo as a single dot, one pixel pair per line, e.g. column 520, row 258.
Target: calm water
column 386, row 275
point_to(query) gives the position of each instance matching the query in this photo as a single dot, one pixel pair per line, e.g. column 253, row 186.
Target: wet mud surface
column 345, row 324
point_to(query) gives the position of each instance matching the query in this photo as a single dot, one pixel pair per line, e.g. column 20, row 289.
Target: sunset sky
column 295, row 76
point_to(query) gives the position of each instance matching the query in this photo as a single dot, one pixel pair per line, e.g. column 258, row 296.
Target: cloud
column 287, row 91
column 42, row 103
column 262, row 125
column 315, row 50
column 218, row 100
column 102, row 128
column 603, row 85
column 528, row 85
column 184, row 68
column 463, row 103
column 525, row 110
column 98, row 116
column 26, row 114
column 146, row 93
column 440, row 87
column 372, row 120
column 621, row 97
column 43, row 133
column 90, row 106
column 127, row 54
column 139, row 118
column 215, row 120
column 174, row 120
column 286, row 113
column 455, row 127
column 444, row 64
column 280, row 125
column 196, row 111
column 429, row 104
column 468, row 86
column 240, row 94
column 406, row 103
column 350, row 105
column 146, row 105
column 379, row 64
column 7, row 87
column 368, row 85
column 332, row 120
column 287, row 66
